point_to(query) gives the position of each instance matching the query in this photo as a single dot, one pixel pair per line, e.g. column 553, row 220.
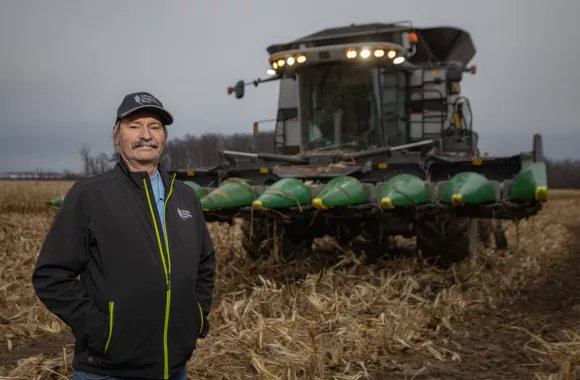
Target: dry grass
column 561, row 194
column 29, row 196
column 305, row 320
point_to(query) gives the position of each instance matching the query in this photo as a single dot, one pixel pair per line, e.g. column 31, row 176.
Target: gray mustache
column 139, row 143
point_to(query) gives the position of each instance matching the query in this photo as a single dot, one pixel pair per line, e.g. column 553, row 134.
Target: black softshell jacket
column 144, row 294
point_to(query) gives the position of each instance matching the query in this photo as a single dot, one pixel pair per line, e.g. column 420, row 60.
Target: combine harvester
column 373, row 139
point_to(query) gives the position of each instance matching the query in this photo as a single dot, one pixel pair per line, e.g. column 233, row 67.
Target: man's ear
column 115, row 134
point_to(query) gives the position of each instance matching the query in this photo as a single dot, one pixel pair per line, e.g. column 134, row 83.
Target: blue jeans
column 92, row 376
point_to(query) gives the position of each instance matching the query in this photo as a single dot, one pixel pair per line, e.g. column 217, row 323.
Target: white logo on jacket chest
column 184, row 214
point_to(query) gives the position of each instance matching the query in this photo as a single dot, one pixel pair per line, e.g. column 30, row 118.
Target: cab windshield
column 339, row 108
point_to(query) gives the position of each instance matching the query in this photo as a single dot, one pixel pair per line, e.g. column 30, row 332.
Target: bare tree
column 86, row 159
column 564, row 174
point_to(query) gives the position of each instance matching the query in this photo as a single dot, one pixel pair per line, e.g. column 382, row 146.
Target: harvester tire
column 260, row 244
column 501, row 242
column 255, row 242
column 446, row 242
column 488, row 228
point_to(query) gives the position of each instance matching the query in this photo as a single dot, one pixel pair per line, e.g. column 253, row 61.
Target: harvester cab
column 361, row 88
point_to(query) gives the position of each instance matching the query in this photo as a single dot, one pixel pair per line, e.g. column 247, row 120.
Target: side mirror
column 238, row 89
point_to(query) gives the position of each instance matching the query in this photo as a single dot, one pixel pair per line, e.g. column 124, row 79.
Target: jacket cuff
column 205, row 329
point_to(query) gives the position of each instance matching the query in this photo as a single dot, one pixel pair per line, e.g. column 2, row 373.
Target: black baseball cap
column 143, row 100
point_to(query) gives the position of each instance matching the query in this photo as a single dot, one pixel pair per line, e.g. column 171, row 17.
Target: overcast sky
column 66, row 65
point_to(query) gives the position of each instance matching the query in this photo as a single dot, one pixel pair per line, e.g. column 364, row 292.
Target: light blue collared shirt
column 159, row 193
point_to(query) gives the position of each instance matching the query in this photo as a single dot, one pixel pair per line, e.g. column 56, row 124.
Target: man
column 146, row 261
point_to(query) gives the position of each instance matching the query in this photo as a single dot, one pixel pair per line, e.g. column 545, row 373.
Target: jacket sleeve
column 62, row 258
column 206, row 273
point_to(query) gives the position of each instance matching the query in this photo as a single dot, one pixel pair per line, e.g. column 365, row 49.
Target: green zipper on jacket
column 166, row 268
column 111, row 309
column 201, row 316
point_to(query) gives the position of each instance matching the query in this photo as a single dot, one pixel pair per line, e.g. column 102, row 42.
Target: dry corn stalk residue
column 502, row 315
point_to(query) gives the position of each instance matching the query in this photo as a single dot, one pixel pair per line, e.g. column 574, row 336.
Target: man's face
column 140, row 138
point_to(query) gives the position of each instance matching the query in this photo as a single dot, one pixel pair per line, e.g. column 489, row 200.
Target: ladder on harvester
column 428, row 108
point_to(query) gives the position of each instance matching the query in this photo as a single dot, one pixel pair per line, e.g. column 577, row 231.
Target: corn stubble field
column 511, row 314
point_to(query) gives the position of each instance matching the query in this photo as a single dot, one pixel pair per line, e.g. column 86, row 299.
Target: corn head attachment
column 448, row 203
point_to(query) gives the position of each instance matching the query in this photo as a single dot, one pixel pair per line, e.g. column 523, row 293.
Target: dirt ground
column 51, row 344
column 504, row 343
column 522, row 336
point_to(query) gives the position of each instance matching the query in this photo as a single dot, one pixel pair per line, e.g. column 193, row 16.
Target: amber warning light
column 413, row 39
column 472, row 69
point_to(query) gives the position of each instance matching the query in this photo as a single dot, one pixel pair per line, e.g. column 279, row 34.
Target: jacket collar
column 137, row 177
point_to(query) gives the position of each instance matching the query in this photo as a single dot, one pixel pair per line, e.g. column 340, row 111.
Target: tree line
column 186, row 152
column 199, row 151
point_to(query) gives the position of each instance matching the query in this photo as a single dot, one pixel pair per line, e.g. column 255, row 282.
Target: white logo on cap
column 145, row 99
